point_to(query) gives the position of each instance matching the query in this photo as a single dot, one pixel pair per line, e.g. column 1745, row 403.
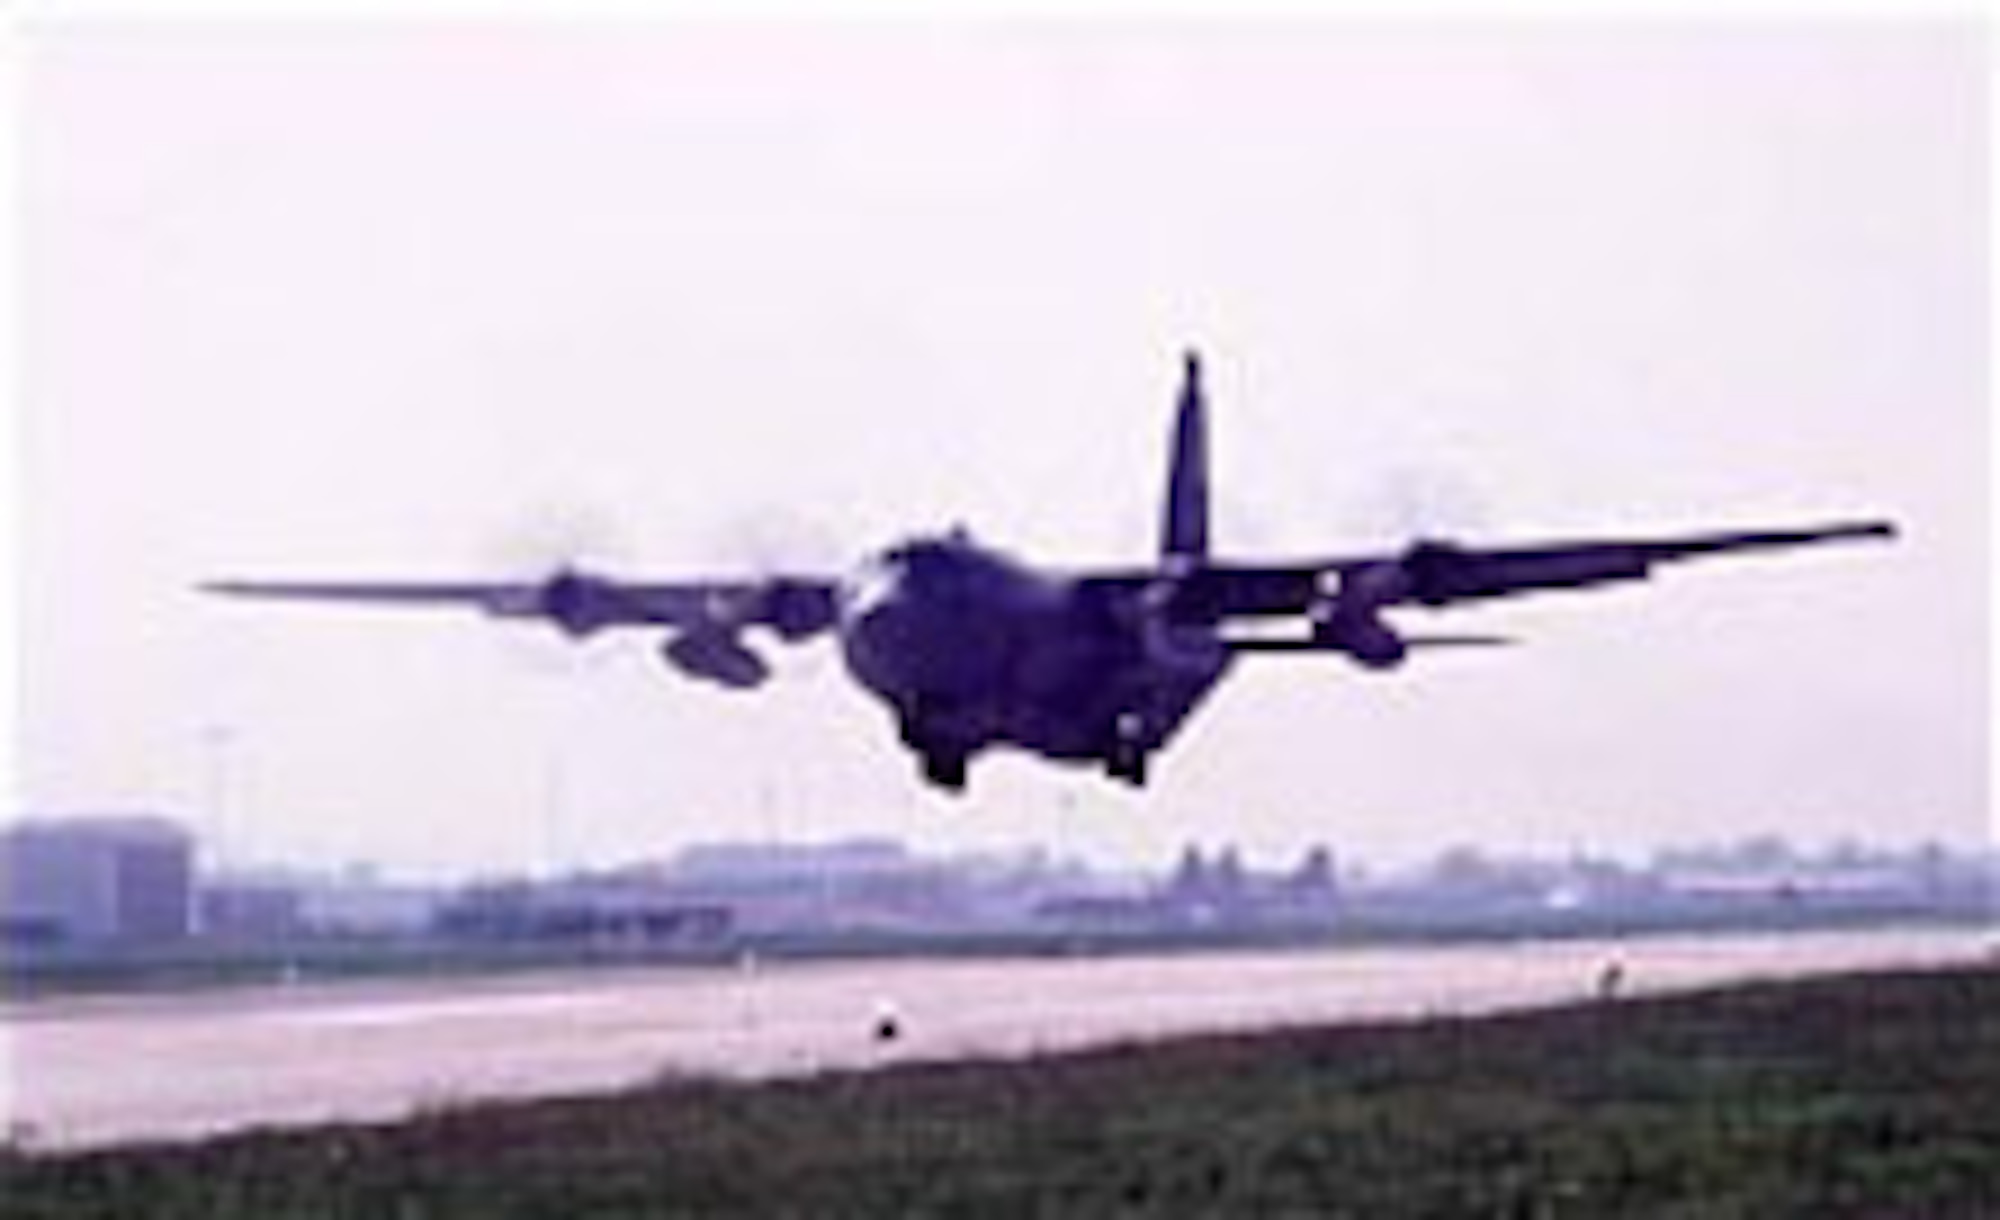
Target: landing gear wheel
column 1126, row 759
column 1128, row 762
column 945, row 768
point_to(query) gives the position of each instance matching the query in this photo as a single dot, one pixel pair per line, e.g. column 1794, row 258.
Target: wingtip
column 1867, row 529
column 248, row 589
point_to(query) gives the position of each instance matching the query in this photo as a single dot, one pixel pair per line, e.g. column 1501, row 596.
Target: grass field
column 1870, row 1096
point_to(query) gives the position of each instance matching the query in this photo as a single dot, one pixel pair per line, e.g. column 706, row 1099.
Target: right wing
column 1343, row 598
column 1436, row 574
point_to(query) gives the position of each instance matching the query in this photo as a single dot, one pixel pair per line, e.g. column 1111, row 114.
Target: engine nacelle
column 796, row 609
column 1438, row 571
column 576, row 602
column 1368, row 588
column 716, row 656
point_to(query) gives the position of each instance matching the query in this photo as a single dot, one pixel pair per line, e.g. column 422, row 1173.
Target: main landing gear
column 943, row 763
column 945, row 767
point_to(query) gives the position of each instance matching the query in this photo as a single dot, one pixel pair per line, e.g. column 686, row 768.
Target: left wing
column 710, row 614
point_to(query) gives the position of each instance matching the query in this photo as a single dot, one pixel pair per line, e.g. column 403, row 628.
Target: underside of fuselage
column 971, row 650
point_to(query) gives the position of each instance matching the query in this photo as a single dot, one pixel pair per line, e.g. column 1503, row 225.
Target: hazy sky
column 435, row 300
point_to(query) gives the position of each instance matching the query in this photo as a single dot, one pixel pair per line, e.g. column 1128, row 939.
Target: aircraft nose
column 869, row 590
column 877, row 623
column 886, row 616
column 903, row 638
column 899, row 578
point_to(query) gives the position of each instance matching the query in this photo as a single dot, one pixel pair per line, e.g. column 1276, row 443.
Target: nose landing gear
column 1126, row 758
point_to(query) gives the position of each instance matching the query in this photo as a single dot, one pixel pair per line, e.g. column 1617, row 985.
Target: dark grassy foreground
column 1868, row 1096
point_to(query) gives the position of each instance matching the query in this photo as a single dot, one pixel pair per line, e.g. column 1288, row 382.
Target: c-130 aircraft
column 971, row 648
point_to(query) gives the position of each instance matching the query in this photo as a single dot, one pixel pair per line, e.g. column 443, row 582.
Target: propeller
column 570, row 554
column 576, row 602
column 559, row 547
column 778, row 546
column 771, row 542
column 1405, row 503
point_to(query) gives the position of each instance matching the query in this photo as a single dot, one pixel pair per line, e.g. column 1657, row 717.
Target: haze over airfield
column 428, row 300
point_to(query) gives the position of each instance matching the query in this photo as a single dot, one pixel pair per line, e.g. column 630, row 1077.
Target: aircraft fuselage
column 970, row 649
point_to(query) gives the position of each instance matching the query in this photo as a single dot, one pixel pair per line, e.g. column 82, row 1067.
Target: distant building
column 741, row 862
column 250, row 910
column 581, row 913
column 1312, row 890
column 364, row 907
column 1220, row 892
column 97, row 880
column 870, row 884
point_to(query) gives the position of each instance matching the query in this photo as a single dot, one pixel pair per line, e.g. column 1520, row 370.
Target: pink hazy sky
column 427, row 299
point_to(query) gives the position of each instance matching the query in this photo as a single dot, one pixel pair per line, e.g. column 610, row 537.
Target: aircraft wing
column 580, row 603
column 1433, row 573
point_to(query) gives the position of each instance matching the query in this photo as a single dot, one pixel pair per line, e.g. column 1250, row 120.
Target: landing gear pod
column 716, row 656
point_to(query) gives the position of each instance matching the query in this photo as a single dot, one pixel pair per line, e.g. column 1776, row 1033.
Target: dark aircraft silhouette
column 971, row 648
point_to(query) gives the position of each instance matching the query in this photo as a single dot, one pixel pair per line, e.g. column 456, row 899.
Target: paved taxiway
column 95, row 1072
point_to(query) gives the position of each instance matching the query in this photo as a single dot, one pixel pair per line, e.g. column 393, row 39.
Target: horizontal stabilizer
column 1457, row 641
column 1414, row 641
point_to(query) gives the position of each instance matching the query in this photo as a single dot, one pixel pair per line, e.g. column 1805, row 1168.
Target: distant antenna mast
column 555, row 801
column 217, row 741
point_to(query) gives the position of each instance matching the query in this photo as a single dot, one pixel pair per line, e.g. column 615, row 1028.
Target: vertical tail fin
column 1184, row 530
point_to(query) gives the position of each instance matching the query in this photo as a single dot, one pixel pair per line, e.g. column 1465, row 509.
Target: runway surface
column 92, row 1072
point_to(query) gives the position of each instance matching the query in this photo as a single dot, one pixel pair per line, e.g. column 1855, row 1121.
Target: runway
column 92, row 1072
